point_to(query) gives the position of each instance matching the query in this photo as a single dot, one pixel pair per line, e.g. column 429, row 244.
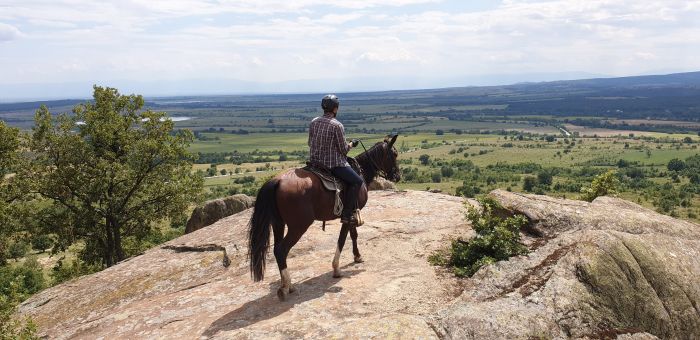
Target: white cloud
column 8, row 32
column 305, row 38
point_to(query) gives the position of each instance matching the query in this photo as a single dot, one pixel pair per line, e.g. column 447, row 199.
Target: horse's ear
column 393, row 140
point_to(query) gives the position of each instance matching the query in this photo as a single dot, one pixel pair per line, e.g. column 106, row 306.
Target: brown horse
column 296, row 198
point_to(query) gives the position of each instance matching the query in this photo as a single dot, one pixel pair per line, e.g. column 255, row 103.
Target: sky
column 58, row 48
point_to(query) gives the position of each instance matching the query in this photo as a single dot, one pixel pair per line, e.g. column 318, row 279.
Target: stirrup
column 348, row 220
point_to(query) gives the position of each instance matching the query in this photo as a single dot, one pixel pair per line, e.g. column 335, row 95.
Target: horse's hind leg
column 355, row 250
column 278, row 232
column 281, row 251
column 341, row 242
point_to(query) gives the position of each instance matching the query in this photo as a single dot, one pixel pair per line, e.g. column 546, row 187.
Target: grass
column 481, row 149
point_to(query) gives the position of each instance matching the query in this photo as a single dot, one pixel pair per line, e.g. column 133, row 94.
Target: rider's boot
column 348, row 216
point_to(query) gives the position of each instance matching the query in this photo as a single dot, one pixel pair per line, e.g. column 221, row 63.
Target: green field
column 564, row 157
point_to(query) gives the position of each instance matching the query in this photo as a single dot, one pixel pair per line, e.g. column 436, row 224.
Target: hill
column 672, row 96
column 595, row 270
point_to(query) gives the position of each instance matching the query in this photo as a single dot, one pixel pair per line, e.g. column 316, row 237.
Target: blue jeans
column 353, row 182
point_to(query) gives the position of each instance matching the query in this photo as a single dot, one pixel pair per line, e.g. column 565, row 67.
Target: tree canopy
column 111, row 171
column 9, row 193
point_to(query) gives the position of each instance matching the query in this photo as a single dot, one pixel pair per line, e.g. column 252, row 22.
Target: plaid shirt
column 327, row 142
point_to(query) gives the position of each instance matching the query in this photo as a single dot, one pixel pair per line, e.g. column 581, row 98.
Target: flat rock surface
column 182, row 290
column 609, row 269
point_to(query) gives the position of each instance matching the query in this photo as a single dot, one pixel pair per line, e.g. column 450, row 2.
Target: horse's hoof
column 358, row 259
column 337, row 274
column 281, row 294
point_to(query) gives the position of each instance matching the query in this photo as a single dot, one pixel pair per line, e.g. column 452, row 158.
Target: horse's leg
column 355, row 251
column 341, row 242
column 278, row 232
column 294, row 232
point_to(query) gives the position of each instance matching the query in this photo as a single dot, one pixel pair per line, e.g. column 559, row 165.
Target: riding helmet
column 329, row 102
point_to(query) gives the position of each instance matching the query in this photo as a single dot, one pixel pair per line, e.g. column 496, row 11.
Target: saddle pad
column 329, row 181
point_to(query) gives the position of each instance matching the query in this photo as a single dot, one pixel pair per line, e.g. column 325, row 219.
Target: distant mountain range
column 671, row 96
column 56, row 93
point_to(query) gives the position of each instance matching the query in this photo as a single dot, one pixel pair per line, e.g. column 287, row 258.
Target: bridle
column 377, row 169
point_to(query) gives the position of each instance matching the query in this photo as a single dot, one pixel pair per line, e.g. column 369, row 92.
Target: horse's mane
column 365, row 159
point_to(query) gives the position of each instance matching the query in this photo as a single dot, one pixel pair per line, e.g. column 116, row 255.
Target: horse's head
column 380, row 160
column 389, row 164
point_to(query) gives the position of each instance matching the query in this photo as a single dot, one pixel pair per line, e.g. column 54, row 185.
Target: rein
column 377, row 169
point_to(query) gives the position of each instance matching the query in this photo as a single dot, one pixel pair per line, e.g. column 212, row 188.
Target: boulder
column 217, row 209
column 380, row 183
column 596, row 270
column 602, row 270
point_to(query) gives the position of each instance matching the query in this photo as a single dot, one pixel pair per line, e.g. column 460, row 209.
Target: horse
column 296, row 198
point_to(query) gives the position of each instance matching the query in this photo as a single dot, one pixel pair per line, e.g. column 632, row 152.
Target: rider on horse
column 329, row 149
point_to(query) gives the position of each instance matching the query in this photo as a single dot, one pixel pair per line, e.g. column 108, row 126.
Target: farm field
column 483, row 162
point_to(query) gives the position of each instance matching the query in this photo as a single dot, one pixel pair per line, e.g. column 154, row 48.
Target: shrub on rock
column 497, row 239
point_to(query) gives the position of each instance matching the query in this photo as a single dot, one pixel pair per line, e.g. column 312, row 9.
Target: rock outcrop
column 380, row 183
column 606, row 269
column 596, row 270
column 217, row 209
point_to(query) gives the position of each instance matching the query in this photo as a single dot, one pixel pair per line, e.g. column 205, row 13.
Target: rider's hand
column 354, row 142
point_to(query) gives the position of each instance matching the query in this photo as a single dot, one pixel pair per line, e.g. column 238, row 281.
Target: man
column 329, row 149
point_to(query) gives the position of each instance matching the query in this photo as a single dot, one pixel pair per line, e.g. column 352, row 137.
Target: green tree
column 113, row 175
column 544, row 178
column 605, row 184
column 424, row 159
column 41, row 242
column 10, row 192
column 447, row 171
column 18, row 249
column 675, row 165
column 529, row 183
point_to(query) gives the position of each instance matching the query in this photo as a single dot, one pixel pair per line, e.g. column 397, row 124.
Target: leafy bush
column 63, row 272
column 4, row 252
column 675, row 165
column 18, row 249
column 468, row 189
column 544, row 178
column 135, row 245
column 447, row 171
column 497, row 239
column 42, row 242
column 602, row 185
column 25, row 280
column 16, row 284
column 12, row 328
column 424, row 159
column 529, row 183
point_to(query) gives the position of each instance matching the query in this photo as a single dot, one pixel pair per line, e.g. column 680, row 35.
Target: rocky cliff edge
column 606, row 269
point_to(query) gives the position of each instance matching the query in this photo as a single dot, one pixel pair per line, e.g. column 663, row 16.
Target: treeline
column 606, row 124
column 256, row 156
column 681, row 185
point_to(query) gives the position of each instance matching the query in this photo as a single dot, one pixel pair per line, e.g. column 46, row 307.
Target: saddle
column 332, row 183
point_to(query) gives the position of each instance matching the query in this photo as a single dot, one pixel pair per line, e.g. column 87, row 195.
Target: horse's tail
column 264, row 214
